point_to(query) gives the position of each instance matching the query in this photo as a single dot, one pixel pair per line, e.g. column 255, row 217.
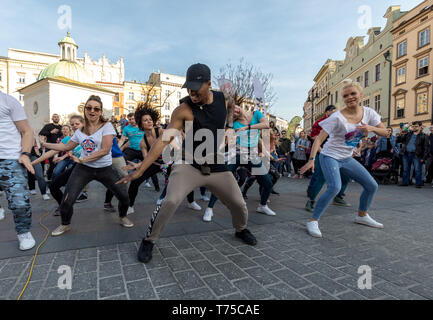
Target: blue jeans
column 354, row 170
column 318, row 180
column 61, row 166
column 408, row 159
column 39, row 175
column 13, row 180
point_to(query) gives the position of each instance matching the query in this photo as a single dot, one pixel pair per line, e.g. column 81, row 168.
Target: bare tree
column 242, row 77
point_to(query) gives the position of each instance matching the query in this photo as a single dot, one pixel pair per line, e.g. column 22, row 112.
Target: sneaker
column 48, row 191
column 194, row 206
column 208, row 214
column 403, row 185
column 147, row 185
column 56, row 212
column 205, row 198
column 275, row 192
column 368, row 221
column 266, row 210
column 26, row 241
column 144, row 254
column 33, row 192
column 340, row 202
column 125, row 222
column 159, row 202
column 109, row 207
column 289, row 175
column 60, row 230
column 310, row 205
column 130, row 210
column 313, row 229
column 46, row 197
column 83, row 197
column 2, row 213
column 246, row 237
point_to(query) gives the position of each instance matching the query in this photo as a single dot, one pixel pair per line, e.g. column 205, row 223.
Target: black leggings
column 60, row 181
column 135, row 184
column 81, row 175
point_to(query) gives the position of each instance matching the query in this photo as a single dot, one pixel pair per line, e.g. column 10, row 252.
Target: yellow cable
column 36, row 254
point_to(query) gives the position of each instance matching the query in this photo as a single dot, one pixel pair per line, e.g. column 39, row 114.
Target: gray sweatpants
column 183, row 179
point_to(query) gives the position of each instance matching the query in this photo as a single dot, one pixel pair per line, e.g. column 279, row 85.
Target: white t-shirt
column 343, row 136
column 93, row 143
column 10, row 138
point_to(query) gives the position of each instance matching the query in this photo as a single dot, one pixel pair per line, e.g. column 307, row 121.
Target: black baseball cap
column 330, row 108
column 196, row 75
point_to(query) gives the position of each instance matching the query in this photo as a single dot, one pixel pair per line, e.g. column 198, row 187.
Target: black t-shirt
column 212, row 117
column 51, row 137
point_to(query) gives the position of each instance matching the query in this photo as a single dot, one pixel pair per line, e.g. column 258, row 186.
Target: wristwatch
column 312, row 159
column 28, row 154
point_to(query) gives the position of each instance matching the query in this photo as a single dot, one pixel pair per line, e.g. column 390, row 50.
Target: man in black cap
column 318, row 180
column 205, row 109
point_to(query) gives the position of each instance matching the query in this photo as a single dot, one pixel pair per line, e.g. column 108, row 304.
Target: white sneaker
column 2, row 213
column 368, row 221
column 147, row 185
column 313, row 229
column 130, row 210
column 26, row 241
column 289, row 175
column 159, row 202
column 194, row 206
column 33, row 192
column 48, row 191
column 205, row 198
column 266, row 210
column 208, row 214
column 46, row 197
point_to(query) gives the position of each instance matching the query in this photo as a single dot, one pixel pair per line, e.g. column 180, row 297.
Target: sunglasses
column 93, row 109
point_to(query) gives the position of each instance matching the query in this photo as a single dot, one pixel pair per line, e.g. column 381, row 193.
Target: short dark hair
column 419, row 123
column 130, row 114
column 330, row 108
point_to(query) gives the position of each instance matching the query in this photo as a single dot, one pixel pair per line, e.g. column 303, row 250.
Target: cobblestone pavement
column 286, row 263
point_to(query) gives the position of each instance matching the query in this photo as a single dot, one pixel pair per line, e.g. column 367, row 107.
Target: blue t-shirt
column 411, row 147
column 249, row 138
column 115, row 150
column 77, row 150
column 134, row 134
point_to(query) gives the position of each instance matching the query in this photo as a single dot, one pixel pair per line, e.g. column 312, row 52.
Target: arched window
column 69, row 54
column 63, row 53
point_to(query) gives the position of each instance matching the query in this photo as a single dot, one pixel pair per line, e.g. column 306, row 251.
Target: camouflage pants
column 13, row 181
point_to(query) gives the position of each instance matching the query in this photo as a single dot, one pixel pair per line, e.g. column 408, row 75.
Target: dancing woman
column 95, row 163
column 345, row 129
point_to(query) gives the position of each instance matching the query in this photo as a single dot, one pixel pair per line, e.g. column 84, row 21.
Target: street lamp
column 311, row 99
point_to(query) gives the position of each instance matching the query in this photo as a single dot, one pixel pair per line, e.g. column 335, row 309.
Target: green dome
column 68, row 39
column 66, row 69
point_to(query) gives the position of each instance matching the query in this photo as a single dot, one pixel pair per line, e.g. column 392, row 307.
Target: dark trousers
column 135, row 184
column 429, row 169
column 60, row 181
column 410, row 158
column 51, row 167
column 80, row 177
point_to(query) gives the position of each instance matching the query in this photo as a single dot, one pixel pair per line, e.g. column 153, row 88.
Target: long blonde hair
column 101, row 117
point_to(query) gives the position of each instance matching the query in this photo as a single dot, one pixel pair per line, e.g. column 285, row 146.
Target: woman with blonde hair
column 345, row 129
column 95, row 163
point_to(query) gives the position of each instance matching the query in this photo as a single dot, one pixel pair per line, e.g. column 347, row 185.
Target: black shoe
column 56, row 212
column 82, row 198
column 108, row 207
column 144, row 254
column 419, row 186
column 403, row 185
column 274, row 192
column 247, row 237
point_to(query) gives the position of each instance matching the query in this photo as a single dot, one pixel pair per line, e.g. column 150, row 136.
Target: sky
column 289, row 39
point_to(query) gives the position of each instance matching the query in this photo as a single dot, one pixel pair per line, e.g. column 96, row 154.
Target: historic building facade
column 412, row 75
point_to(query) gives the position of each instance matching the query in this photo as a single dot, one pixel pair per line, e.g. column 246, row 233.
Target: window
column 131, row 109
column 366, row 83
column 400, row 108
column 377, row 103
column 179, row 95
column 167, row 119
column 358, row 80
column 402, row 49
column 421, row 102
column 422, row 66
column 336, row 96
column 366, row 103
column 131, row 96
column 143, row 97
column 116, row 111
column 116, row 97
column 378, row 75
column 21, row 79
column 167, row 93
column 424, row 38
column 21, row 97
column 401, row 75
column 167, row 106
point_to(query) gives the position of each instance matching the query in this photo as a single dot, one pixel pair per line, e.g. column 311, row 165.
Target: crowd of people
column 343, row 146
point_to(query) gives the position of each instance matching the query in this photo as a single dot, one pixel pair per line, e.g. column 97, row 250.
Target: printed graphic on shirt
column 353, row 138
column 88, row 145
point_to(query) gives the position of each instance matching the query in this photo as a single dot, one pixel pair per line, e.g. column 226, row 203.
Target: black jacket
column 285, row 145
column 51, row 137
column 421, row 143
